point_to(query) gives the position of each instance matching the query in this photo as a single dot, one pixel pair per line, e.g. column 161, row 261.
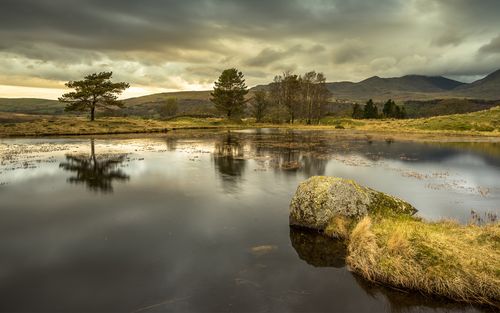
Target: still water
column 198, row 221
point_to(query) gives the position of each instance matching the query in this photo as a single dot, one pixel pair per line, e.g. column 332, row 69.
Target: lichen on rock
column 320, row 201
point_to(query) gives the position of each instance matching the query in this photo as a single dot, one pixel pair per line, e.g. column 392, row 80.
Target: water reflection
column 229, row 160
column 96, row 172
column 318, row 250
column 191, row 246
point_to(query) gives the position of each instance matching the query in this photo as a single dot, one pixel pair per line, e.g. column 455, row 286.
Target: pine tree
column 94, row 91
column 371, row 110
column 401, row 113
column 357, row 111
column 229, row 93
column 390, row 109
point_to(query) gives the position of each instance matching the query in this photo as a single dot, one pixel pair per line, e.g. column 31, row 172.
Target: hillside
column 413, row 87
column 437, row 107
column 406, row 87
column 486, row 88
column 189, row 102
column 409, row 89
column 31, row 106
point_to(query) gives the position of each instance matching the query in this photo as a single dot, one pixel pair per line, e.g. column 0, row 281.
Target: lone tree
column 95, row 90
column 229, row 93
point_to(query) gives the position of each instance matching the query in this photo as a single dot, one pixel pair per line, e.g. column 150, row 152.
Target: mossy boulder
column 323, row 202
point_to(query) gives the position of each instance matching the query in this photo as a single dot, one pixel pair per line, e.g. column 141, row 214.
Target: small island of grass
column 389, row 245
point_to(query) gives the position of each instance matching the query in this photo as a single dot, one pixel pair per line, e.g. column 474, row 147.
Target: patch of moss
column 385, row 205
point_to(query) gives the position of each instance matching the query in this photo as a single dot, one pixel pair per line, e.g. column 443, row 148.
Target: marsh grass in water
column 461, row 262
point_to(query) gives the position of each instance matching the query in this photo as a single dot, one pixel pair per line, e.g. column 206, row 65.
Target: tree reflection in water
column 292, row 153
column 229, row 160
column 97, row 172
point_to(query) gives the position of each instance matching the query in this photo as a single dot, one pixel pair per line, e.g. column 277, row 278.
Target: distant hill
column 402, row 89
column 398, row 88
column 486, row 88
column 31, row 106
column 413, row 87
column 189, row 102
column 437, row 107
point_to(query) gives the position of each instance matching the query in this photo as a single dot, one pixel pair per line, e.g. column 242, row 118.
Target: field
column 485, row 122
column 482, row 123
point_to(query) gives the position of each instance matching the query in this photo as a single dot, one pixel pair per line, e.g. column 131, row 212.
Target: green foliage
column 371, row 110
column 229, row 93
column 357, row 111
column 168, row 108
column 95, row 90
column 391, row 110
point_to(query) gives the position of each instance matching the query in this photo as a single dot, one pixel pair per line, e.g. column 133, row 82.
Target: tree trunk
column 92, row 113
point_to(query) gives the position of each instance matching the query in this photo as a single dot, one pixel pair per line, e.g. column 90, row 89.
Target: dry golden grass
column 51, row 126
column 443, row 258
column 339, row 227
column 483, row 123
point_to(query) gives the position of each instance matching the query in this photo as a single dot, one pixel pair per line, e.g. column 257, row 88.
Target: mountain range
column 407, row 88
column 416, row 87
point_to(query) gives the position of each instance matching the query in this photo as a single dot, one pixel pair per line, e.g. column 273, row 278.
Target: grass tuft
column 443, row 258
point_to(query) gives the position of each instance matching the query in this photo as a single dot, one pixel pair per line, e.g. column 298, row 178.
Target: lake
column 197, row 221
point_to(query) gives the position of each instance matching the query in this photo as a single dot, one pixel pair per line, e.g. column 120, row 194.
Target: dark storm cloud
column 266, row 57
column 493, row 47
column 157, row 42
column 155, row 25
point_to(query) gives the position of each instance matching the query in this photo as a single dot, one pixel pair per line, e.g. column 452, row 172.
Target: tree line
column 288, row 98
column 370, row 110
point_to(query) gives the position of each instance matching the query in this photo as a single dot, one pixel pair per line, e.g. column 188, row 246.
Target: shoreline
column 429, row 136
column 477, row 126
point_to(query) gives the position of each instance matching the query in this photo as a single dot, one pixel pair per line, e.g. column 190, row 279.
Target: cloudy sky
column 162, row 45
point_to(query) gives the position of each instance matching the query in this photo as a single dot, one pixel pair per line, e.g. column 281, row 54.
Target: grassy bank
column 483, row 123
column 443, row 258
column 53, row 126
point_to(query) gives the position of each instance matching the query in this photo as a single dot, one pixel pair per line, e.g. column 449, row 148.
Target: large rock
column 320, row 199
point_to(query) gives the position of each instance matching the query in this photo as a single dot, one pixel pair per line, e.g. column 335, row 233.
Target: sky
column 162, row 45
